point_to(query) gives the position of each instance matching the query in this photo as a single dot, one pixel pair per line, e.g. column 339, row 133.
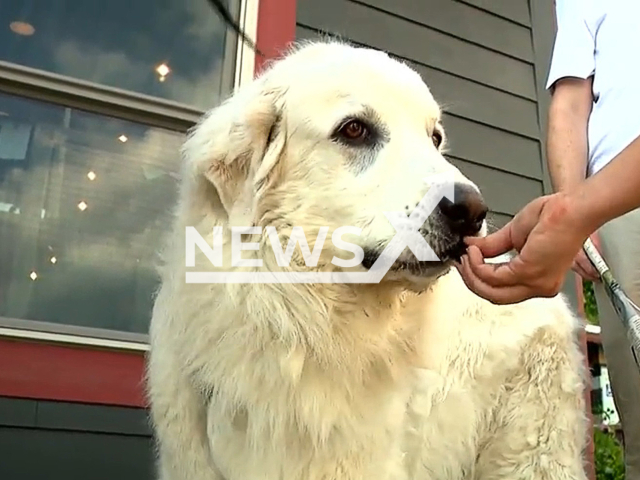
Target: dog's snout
column 467, row 212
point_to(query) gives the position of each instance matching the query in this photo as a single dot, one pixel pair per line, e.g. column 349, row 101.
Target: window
column 172, row 49
column 95, row 100
column 84, row 201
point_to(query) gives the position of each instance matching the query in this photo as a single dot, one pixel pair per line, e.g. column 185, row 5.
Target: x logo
column 408, row 228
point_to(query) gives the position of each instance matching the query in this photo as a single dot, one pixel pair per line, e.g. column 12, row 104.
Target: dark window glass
column 174, row 49
column 84, row 201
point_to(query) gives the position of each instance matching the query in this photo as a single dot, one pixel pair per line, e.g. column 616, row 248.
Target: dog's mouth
column 454, row 252
column 410, row 264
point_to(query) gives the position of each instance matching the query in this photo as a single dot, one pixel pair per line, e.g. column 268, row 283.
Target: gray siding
column 68, row 441
column 478, row 59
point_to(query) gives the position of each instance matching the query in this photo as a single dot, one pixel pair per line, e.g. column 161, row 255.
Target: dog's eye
column 354, row 131
column 436, row 137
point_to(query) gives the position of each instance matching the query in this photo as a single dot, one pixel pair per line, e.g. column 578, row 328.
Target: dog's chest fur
column 329, row 394
column 328, row 389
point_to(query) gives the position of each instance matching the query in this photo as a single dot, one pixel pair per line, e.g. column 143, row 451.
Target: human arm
column 613, row 191
column 571, row 84
column 548, row 233
column 567, row 146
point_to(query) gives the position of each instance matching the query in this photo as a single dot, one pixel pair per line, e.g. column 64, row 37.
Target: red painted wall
column 55, row 372
column 276, row 29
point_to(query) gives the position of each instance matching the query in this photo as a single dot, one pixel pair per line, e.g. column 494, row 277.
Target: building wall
column 73, row 441
column 71, row 412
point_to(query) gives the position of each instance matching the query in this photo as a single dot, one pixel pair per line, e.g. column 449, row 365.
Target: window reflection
column 82, row 214
column 173, row 49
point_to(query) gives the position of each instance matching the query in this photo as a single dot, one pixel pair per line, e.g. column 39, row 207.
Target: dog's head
column 335, row 136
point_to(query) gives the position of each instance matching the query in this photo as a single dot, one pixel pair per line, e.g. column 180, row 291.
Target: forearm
column 612, row 192
column 567, row 145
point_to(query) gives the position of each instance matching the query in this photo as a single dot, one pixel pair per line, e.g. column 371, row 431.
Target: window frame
column 34, row 84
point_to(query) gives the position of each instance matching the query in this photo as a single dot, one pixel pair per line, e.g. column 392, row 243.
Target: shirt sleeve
column 574, row 47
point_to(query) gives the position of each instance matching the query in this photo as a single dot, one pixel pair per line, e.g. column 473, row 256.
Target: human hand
column 583, row 266
column 547, row 234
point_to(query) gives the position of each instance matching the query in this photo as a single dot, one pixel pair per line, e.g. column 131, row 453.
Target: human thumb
column 494, row 244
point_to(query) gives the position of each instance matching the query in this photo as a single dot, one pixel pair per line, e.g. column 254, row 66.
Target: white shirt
column 602, row 38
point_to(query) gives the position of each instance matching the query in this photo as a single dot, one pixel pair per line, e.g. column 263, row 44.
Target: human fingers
column 496, row 295
column 530, row 277
column 575, row 266
column 514, row 234
column 521, row 282
column 493, row 244
column 494, row 274
column 584, row 267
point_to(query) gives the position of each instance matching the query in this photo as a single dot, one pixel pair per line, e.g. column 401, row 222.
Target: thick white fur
column 412, row 378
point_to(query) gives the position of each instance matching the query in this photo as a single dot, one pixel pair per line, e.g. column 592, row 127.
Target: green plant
column 590, row 305
column 608, row 456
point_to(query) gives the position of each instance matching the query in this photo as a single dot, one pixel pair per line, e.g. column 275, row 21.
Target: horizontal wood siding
column 74, row 441
column 456, row 19
column 407, row 39
column 515, row 10
column 479, row 62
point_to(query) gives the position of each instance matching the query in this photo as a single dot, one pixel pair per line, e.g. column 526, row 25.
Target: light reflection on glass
column 92, row 246
column 120, row 44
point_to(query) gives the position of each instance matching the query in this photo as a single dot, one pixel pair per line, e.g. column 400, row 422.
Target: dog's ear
column 236, row 145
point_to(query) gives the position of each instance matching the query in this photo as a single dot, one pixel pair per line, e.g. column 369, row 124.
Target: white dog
column 413, row 377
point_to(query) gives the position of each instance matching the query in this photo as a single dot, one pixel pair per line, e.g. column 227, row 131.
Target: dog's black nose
column 466, row 213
